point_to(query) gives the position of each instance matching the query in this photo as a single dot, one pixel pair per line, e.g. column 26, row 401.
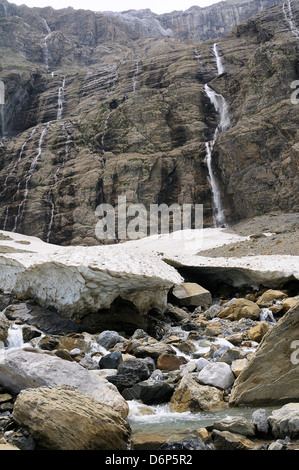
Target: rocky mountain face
column 100, row 105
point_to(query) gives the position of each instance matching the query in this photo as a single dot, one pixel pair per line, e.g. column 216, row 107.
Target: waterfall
column 220, row 68
column 19, row 159
column 221, row 108
column 29, row 176
column 49, row 195
column 136, row 72
column 45, row 45
column 3, row 123
column 11, row 173
column 15, row 337
column 60, row 99
column 289, row 17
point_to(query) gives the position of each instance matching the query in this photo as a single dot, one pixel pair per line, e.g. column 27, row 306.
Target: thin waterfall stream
column 29, row 176
column 221, row 108
column 289, row 17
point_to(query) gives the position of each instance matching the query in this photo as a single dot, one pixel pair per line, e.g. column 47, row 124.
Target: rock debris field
column 193, row 351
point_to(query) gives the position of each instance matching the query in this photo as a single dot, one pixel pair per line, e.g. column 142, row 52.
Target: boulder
column 65, row 419
column 192, row 396
column 240, row 308
column 170, row 361
column 189, row 443
column 238, row 365
column 271, row 377
column 30, row 368
column 217, row 374
column 260, row 421
column 107, row 339
column 235, row 424
column 285, row 421
column 149, row 392
column 269, row 297
column 111, row 360
column 153, row 350
column 225, row 440
column 4, row 327
column 190, row 294
column 257, row 332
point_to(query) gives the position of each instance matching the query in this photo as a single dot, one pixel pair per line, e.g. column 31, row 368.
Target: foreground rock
column 30, row 368
column 285, row 421
column 271, row 377
column 190, row 294
column 65, row 419
column 191, row 396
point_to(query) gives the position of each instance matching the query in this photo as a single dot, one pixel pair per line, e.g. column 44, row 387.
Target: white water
column 45, row 45
column 29, row 176
column 289, row 17
column 220, row 68
column 11, row 173
column 136, row 72
column 3, row 122
column 15, row 337
column 60, row 99
column 49, row 195
column 221, row 108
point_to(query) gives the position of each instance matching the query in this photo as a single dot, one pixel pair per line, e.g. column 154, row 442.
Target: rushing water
column 221, row 108
column 29, row 176
column 15, row 337
column 289, row 17
column 3, row 122
column 60, row 99
column 45, row 45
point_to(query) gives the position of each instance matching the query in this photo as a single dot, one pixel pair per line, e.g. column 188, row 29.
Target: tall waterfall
column 289, row 17
column 220, row 68
column 29, row 176
column 60, row 99
column 136, row 72
column 3, row 123
column 11, row 172
column 45, row 45
column 221, row 108
column 49, row 194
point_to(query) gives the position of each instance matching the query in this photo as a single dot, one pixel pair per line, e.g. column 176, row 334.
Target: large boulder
column 30, row 368
column 190, row 294
column 271, row 376
column 240, row 308
column 217, row 374
column 65, row 419
column 285, row 421
column 192, row 396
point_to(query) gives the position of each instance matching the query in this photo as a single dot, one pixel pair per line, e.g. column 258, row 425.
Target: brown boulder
column 65, row 419
column 240, row 308
column 170, row 362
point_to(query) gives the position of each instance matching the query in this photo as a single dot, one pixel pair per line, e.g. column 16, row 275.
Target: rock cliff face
column 103, row 105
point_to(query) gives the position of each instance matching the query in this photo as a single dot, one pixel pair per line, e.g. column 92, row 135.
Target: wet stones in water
column 149, row 392
column 192, row 443
column 132, row 371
